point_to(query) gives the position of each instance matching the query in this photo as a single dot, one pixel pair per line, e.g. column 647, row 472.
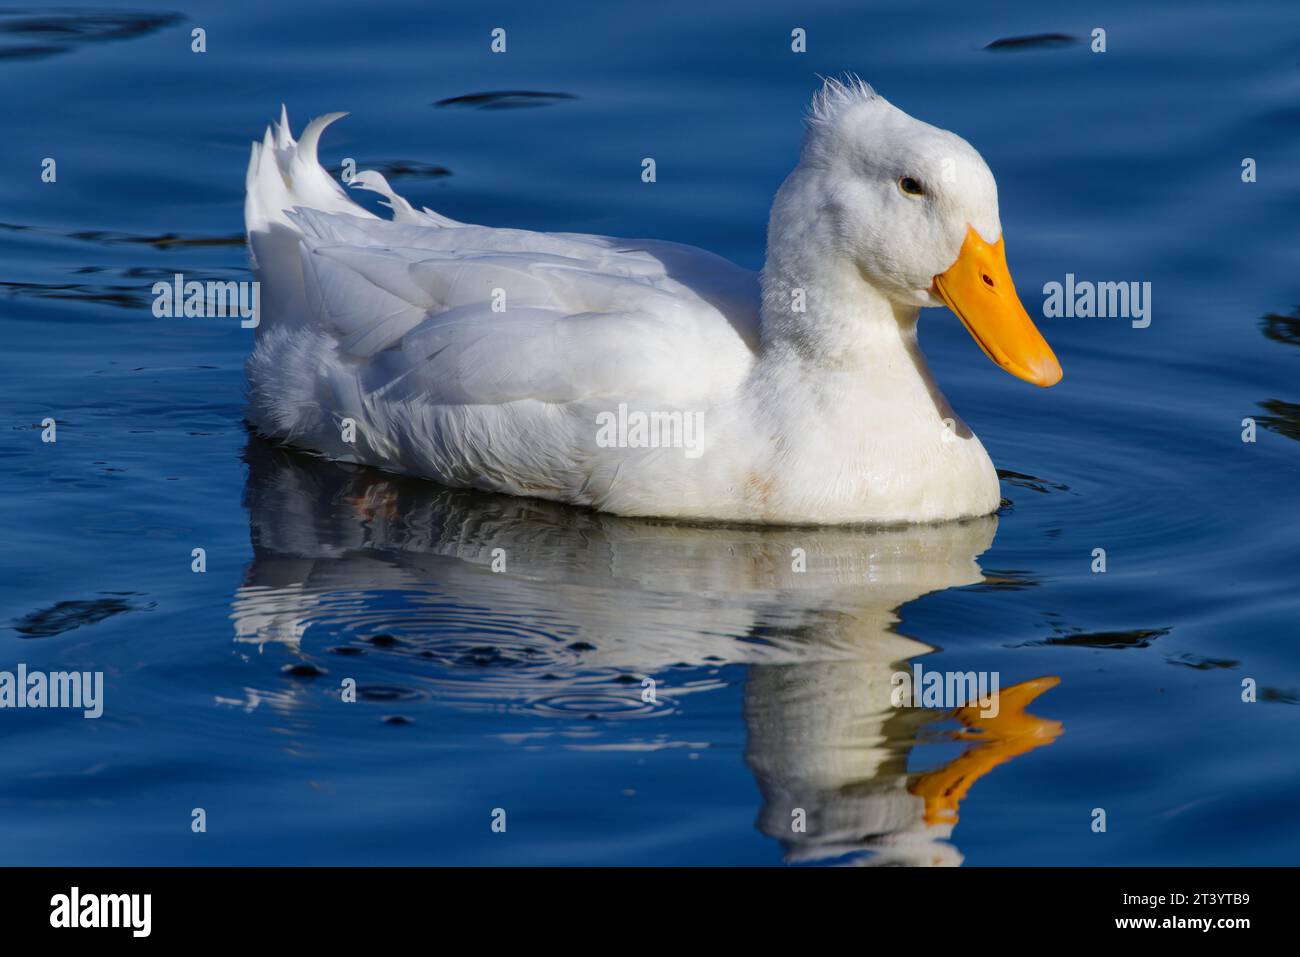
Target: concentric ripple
column 405, row 646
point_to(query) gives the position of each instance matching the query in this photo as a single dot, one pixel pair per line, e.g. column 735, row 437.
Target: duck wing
column 475, row 354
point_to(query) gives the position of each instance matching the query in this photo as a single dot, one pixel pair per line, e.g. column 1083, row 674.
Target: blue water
column 522, row 690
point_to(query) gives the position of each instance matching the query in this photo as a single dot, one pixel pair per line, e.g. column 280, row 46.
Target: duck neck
column 817, row 307
column 825, row 315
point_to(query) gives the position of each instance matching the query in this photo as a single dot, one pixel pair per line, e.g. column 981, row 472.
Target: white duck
column 644, row 377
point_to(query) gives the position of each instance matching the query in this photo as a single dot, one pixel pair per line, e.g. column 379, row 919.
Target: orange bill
column 979, row 289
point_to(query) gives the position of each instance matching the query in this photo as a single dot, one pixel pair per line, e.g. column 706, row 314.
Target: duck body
column 530, row 363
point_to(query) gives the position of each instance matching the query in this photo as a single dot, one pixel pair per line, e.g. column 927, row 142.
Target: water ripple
column 504, row 100
column 66, row 615
column 31, row 34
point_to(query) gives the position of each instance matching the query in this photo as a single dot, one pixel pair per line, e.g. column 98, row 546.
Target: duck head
column 910, row 210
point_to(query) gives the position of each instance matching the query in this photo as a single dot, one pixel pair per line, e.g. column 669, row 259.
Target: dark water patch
column 303, row 669
column 1009, row 579
column 398, row 719
column 1203, row 664
column 1279, row 696
column 1279, row 328
column 401, row 169
column 168, row 240
column 123, row 297
column 150, row 273
column 1137, row 638
column 504, row 100
column 497, row 656
column 67, row 615
column 110, row 237
column 488, row 656
column 27, row 34
column 387, row 693
column 347, row 651
column 1034, row 41
column 1284, row 418
column 1031, row 482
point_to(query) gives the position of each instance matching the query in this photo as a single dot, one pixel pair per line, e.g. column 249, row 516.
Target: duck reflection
column 518, row 602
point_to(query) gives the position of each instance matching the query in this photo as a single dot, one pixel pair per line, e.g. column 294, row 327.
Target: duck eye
column 910, row 186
